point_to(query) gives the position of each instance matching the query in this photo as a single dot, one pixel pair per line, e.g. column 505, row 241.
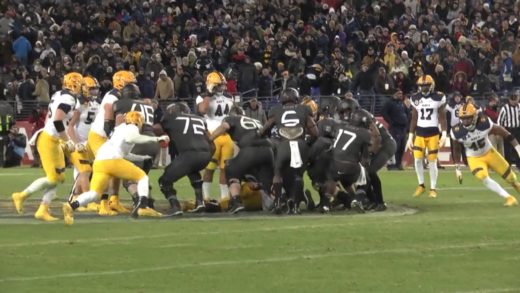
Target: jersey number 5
column 349, row 137
column 196, row 123
column 289, row 122
column 90, row 117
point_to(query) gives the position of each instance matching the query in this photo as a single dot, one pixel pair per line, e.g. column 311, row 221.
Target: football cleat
column 432, row 193
column 148, row 212
column 380, row 207
column 91, row 207
column 104, row 209
column 43, row 214
column 199, row 207
column 175, row 209
column 510, row 201
column 116, row 205
column 357, row 206
column 18, row 199
column 419, row 190
column 235, row 206
column 68, row 214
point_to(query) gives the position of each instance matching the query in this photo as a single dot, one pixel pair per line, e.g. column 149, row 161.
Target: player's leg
column 82, row 163
column 497, row 163
column 236, row 168
column 479, row 168
column 281, row 160
column 418, row 154
column 149, row 149
column 207, row 177
column 226, row 153
column 432, row 144
column 172, row 173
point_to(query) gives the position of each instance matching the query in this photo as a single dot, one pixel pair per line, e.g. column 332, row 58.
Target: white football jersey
column 219, row 107
column 428, row 108
column 60, row 97
column 475, row 142
column 454, row 111
column 116, row 147
column 88, row 112
column 99, row 121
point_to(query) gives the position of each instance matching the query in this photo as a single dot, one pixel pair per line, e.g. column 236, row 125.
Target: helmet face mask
column 90, row 88
column 468, row 116
column 216, row 82
column 425, row 84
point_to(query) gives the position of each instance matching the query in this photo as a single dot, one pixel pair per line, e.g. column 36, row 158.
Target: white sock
column 224, row 191
column 434, row 173
column 49, row 195
column 206, row 190
column 142, row 186
column 419, row 170
column 87, row 197
column 495, row 187
column 38, row 185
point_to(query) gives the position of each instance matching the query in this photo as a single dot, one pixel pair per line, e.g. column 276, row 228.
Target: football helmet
column 236, row 111
column 426, row 84
column 134, row 117
column 468, row 115
column 361, row 118
column 122, row 78
column 289, row 95
column 215, row 82
column 130, row 91
column 311, row 103
column 346, row 107
column 178, row 108
column 90, row 87
column 73, row 82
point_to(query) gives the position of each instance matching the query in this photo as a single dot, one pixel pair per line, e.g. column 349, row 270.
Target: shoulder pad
column 459, row 131
column 437, row 96
column 483, row 123
column 115, row 93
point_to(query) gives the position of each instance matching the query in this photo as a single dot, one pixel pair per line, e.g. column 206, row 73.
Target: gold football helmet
column 468, row 115
column 215, row 82
column 72, row 82
column 90, row 87
column 122, row 78
column 426, row 84
column 134, row 117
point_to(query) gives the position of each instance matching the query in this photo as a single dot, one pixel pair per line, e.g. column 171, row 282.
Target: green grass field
column 463, row 241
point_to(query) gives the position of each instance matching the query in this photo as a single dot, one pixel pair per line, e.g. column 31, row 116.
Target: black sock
column 277, row 189
column 143, row 202
column 377, row 187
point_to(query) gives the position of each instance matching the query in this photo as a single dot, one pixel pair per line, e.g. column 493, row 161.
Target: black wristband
column 60, row 127
column 108, row 126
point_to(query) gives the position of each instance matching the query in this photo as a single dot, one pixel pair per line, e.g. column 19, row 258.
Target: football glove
column 80, row 147
column 69, row 146
column 165, row 138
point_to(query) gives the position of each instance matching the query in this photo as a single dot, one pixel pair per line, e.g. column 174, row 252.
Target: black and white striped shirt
column 509, row 116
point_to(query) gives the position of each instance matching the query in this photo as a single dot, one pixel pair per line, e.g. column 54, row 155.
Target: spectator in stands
column 460, row 83
column 254, row 109
column 481, row 84
column 16, row 143
column 396, row 115
column 265, row 84
column 145, row 84
column 442, row 81
column 21, row 48
column 6, row 122
column 41, row 90
column 247, row 80
column 491, row 111
column 165, row 89
column 506, row 71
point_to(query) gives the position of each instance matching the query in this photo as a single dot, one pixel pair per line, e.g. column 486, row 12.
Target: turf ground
column 463, row 241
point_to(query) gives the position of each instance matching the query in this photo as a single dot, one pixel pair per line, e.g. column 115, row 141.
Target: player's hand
column 164, row 138
column 80, row 147
column 146, row 157
column 442, row 141
column 458, row 173
column 409, row 142
column 70, row 146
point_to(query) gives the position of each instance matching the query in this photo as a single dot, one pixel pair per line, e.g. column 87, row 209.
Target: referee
column 509, row 118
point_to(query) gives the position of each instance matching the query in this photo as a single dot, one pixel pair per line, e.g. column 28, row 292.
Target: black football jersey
column 350, row 141
column 188, row 132
column 385, row 136
column 291, row 116
column 244, row 131
column 124, row 106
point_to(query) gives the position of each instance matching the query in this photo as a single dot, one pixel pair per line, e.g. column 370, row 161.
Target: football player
column 78, row 128
column 215, row 106
column 472, row 133
column 428, row 111
column 131, row 101
column 293, row 121
column 255, row 154
column 49, row 144
column 112, row 160
column 350, row 150
column 100, row 131
column 194, row 152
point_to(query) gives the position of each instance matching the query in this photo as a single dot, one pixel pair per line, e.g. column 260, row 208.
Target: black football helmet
column 131, row 91
column 236, row 111
column 361, row 118
column 178, row 108
column 346, row 107
column 289, row 95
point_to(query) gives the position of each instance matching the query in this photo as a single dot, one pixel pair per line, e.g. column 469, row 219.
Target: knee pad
column 127, row 184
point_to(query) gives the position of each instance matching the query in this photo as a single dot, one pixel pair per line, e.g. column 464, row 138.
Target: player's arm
column 203, row 105
column 443, row 121
column 506, row 135
column 411, row 131
column 109, row 118
column 312, row 129
column 375, row 137
column 457, row 154
column 222, row 129
column 74, row 120
column 135, row 137
column 267, row 126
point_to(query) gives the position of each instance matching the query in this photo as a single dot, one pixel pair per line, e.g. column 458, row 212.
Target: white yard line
column 263, row 261
column 366, row 221
column 497, row 290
